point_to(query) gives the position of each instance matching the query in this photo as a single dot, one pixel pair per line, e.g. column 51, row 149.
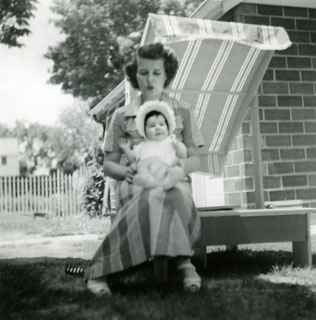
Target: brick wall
column 287, row 109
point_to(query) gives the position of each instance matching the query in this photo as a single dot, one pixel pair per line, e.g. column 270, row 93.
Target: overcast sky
column 24, row 91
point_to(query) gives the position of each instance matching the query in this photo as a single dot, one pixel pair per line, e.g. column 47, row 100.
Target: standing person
column 157, row 156
column 149, row 222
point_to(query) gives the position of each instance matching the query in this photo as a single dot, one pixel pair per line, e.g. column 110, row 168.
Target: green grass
column 250, row 284
column 11, row 224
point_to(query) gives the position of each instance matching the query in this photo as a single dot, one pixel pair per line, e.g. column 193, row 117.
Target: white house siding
column 11, row 168
column 10, row 151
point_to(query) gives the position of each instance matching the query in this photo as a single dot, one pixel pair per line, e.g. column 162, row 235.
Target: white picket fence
column 58, row 194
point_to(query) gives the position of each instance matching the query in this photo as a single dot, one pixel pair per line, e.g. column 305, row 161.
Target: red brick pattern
column 287, row 100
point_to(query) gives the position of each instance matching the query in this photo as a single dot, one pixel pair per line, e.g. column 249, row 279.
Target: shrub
column 94, row 183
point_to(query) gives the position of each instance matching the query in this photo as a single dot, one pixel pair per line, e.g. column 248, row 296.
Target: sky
column 24, row 90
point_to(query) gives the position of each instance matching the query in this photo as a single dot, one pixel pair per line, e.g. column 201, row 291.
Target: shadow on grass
column 245, row 261
column 40, row 289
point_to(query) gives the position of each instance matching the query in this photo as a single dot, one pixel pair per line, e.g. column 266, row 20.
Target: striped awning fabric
column 221, row 67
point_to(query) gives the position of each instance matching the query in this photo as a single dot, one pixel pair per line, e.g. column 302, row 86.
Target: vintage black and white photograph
column 157, row 159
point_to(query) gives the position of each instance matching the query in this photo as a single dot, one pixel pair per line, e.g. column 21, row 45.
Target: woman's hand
column 124, row 144
column 130, row 172
column 114, row 170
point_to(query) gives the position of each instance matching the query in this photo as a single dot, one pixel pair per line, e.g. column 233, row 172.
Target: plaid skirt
column 149, row 222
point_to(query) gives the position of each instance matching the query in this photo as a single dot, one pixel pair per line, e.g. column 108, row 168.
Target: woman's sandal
column 75, row 270
column 191, row 279
column 99, row 288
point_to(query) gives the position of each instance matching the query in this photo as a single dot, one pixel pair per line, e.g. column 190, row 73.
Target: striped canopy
column 221, row 67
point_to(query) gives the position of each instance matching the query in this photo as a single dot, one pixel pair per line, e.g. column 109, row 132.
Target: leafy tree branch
column 100, row 37
column 14, row 20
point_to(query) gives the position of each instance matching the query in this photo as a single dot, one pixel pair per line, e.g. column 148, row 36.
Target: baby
column 157, row 157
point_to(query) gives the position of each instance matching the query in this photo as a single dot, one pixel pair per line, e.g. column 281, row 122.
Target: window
column 3, row 160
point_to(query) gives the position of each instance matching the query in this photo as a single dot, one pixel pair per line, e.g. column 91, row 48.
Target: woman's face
column 151, row 78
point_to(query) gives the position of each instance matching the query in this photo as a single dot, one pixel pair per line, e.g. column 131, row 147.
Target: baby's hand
column 172, row 137
column 124, row 143
column 174, row 141
column 179, row 147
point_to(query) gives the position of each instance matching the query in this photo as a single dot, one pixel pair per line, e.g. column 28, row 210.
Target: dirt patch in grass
column 76, row 246
column 16, row 225
column 78, row 236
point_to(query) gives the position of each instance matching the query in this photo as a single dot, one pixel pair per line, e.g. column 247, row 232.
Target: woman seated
column 150, row 222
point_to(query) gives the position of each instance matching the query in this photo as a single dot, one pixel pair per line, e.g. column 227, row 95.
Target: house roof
column 214, row 9
column 9, row 146
column 209, row 9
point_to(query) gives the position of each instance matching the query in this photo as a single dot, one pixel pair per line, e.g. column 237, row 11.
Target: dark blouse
column 123, row 125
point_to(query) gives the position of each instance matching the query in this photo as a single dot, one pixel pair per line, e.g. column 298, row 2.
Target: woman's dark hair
column 153, row 51
column 156, row 114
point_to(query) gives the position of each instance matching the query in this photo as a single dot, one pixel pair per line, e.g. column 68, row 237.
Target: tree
column 14, row 20
column 35, row 147
column 100, row 36
column 5, row 131
column 75, row 138
column 66, row 146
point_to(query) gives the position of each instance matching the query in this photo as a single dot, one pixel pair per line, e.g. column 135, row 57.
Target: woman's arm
column 181, row 149
column 125, row 145
column 130, row 155
column 114, row 170
column 192, row 163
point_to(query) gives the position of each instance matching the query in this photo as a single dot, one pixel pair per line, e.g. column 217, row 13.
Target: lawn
column 26, row 225
column 257, row 282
